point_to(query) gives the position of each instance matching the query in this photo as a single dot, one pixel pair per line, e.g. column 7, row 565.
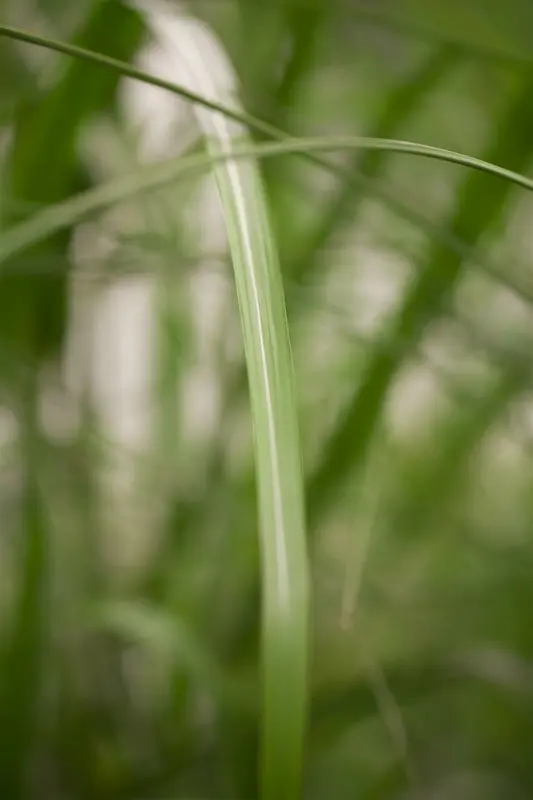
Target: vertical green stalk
column 23, row 656
column 271, row 382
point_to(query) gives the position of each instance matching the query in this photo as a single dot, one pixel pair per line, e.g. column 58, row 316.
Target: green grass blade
column 447, row 239
column 478, row 207
column 62, row 215
column 23, row 654
column 277, row 451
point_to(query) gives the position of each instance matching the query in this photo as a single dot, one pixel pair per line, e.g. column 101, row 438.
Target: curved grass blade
column 478, row 207
column 271, row 381
column 46, row 222
column 447, row 239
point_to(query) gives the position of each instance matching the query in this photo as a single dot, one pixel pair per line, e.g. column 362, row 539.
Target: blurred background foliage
column 130, row 584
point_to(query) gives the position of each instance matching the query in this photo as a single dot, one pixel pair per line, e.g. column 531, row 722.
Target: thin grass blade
column 23, row 658
column 277, row 451
column 81, row 206
column 446, row 238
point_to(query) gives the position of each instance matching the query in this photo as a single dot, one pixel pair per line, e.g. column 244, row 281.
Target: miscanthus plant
column 265, row 375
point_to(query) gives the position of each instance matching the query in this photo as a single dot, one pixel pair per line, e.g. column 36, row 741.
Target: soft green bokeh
column 130, row 601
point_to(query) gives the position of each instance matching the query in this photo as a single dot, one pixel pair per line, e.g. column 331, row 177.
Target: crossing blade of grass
column 52, row 219
column 445, row 238
column 79, row 207
column 43, row 168
column 45, row 223
column 478, row 207
column 69, row 213
column 271, row 382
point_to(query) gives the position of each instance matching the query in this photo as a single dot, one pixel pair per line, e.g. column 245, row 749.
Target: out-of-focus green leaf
column 262, row 44
column 167, row 704
column 16, row 82
column 430, row 492
column 398, row 105
column 479, row 205
column 44, row 169
column 480, row 22
column 335, row 709
column 23, row 655
column 306, row 21
column 512, row 54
